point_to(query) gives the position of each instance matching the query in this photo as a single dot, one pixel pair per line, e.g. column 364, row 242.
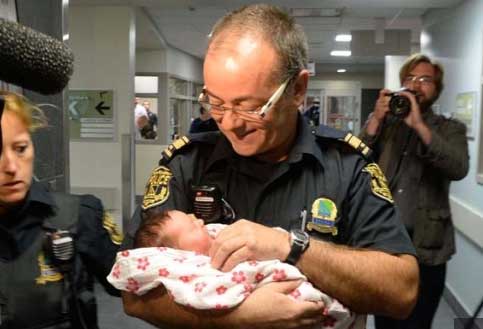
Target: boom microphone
column 33, row 60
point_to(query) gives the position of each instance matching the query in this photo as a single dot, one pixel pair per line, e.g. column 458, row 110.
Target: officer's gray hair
column 272, row 24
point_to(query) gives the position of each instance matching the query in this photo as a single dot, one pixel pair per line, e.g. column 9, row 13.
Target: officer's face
column 186, row 232
column 421, row 80
column 16, row 162
column 239, row 73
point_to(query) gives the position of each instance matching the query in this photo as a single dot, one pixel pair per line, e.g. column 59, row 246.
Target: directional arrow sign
column 100, row 107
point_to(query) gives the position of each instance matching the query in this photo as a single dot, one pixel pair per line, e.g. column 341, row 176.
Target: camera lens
column 399, row 105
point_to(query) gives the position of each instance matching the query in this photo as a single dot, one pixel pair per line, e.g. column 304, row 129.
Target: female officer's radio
column 209, row 205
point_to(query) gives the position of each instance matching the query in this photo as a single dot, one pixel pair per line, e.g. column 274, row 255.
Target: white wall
column 454, row 37
column 103, row 41
column 151, row 61
column 184, row 65
column 366, row 80
column 392, row 65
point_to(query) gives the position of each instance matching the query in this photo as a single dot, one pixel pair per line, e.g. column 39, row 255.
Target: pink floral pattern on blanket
column 192, row 282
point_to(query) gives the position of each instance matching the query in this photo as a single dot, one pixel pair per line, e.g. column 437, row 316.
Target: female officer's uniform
column 35, row 285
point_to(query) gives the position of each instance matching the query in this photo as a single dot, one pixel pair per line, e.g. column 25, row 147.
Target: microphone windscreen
column 33, row 60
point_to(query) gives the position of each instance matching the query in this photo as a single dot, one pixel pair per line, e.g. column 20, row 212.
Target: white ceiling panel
column 185, row 24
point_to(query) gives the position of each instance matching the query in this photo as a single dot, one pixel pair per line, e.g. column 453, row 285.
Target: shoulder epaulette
column 358, row 145
column 172, row 148
column 347, row 138
column 181, row 143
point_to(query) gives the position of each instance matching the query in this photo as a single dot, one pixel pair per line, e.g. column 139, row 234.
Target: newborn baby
column 172, row 251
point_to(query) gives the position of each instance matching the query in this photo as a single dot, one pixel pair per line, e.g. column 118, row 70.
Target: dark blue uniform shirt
column 323, row 175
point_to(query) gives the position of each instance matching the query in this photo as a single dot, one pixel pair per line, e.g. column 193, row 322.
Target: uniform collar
column 305, row 143
column 39, row 194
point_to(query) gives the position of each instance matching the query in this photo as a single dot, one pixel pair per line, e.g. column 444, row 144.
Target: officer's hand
column 382, row 105
column 270, row 306
column 246, row 240
column 414, row 118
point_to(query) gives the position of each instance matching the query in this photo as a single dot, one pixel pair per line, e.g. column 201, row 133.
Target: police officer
column 51, row 244
column 274, row 170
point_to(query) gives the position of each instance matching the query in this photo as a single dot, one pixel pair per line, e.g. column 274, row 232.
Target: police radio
column 60, row 245
column 209, row 205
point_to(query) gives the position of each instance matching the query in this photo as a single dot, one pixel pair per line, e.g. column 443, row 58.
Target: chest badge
column 48, row 272
column 157, row 188
column 324, row 214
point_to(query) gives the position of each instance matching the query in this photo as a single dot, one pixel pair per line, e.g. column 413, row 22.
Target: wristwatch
column 299, row 242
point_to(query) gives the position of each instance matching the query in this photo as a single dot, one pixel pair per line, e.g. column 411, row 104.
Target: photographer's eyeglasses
column 219, row 110
column 424, row 80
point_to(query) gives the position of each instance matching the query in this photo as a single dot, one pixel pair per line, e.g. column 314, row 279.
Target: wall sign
column 91, row 114
column 466, row 110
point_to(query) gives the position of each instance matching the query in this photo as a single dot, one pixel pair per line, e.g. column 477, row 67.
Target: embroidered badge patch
column 324, row 215
column 157, row 188
column 48, row 272
column 378, row 182
column 111, row 228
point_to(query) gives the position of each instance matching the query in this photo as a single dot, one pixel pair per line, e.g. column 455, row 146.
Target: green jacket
column 419, row 177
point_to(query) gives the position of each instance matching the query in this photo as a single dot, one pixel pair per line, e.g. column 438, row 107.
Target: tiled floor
column 111, row 315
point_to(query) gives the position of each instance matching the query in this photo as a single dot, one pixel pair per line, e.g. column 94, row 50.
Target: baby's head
column 173, row 229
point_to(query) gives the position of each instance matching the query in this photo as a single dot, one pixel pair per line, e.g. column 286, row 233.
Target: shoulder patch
column 174, row 147
column 111, row 228
column 358, row 145
column 378, row 182
column 157, row 188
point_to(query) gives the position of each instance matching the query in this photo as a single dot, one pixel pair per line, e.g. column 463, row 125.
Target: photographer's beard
column 426, row 104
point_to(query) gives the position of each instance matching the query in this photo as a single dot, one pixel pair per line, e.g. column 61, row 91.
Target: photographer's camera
column 400, row 105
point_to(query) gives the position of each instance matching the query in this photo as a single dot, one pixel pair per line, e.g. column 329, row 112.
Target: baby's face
column 187, row 232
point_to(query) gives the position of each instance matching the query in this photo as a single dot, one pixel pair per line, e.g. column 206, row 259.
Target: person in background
column 313, row 112
column 420, row 153
column 341, row 229
column 142, row 122
column 204, row 123
column 152, row 117
column 52, row 245
column 140, row 115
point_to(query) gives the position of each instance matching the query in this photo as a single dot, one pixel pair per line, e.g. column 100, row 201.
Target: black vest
column 31, row 290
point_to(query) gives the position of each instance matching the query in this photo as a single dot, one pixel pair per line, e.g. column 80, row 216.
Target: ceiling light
column 343, row 38
column 344, row 53
column 341, row 70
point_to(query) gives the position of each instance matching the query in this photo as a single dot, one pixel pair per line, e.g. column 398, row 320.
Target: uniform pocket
column 434, row 227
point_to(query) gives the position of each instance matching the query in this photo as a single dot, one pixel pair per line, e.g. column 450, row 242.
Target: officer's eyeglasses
column 251, row 113
column 424, row 80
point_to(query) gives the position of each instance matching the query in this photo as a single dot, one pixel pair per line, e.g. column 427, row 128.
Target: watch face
column 300, row 235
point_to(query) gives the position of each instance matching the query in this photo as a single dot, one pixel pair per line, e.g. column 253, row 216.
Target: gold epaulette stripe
column 357, row 144
column 174, row 146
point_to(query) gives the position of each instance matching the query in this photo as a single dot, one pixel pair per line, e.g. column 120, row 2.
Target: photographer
column 421, row 153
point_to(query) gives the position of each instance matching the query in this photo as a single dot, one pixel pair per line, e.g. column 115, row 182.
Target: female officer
column 51, row 244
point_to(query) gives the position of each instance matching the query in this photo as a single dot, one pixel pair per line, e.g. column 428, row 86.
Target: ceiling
column 185, row 24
